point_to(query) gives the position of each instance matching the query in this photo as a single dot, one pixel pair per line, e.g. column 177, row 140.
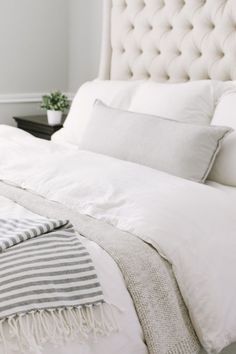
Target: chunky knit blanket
column 149, row 278
column 48, row 284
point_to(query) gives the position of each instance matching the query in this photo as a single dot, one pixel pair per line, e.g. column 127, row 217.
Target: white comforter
column 192, row 225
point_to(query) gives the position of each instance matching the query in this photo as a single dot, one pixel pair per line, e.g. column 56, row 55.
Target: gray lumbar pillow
column 178, row 148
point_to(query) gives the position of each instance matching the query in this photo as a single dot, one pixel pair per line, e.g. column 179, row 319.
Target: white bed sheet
column 192, row 225
column 129, row 340
column 229, row 190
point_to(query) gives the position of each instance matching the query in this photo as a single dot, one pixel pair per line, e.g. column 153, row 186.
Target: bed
column 141, row 180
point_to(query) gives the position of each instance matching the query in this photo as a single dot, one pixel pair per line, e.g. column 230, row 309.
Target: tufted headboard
column 169, row 40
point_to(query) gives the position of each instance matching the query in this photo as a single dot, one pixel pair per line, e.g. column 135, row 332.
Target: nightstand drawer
column 37, row 134
column 37, row 126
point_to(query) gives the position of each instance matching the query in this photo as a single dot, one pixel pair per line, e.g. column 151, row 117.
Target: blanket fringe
column 29, row 332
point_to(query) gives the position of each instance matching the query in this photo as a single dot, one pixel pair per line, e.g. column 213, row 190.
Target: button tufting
column 162, row 4
column 164, row 42
column 143, row 4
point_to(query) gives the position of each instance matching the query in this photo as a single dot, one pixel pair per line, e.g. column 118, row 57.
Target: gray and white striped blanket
column 47, row 274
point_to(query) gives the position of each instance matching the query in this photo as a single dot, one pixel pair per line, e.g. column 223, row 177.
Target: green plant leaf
column 55, row 101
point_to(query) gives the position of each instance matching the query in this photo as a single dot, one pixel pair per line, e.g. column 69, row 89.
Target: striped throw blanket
column 49, row 289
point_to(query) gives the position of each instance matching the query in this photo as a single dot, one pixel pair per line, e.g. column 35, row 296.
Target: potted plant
column 55, row 103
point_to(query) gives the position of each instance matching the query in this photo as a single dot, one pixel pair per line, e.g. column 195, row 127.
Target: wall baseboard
column 26, row 97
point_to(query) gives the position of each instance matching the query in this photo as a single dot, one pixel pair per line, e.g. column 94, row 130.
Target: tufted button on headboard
column 169, row 40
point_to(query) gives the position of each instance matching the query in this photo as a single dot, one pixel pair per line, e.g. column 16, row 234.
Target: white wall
column 46, row 45
column 84, row 41
column 33, row 45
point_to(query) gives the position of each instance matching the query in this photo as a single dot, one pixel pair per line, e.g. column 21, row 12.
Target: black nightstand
column 38, row 126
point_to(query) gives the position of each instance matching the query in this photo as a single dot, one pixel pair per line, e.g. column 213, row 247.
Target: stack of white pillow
column 199, row 102
column 224, row 169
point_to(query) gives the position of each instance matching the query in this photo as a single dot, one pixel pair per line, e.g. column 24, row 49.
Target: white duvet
column 192, row 225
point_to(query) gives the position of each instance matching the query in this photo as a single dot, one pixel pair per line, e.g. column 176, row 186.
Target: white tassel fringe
column 28, row 332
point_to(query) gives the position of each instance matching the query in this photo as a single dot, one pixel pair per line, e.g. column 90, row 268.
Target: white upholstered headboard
column 169, row 40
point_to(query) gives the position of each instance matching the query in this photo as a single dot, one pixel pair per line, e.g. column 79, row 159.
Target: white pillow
column 182, row 149
column 193, row 102
column 224, row 168
column 114, row 93
column 225, row 112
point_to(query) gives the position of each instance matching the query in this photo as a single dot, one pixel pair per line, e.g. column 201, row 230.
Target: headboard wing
column 169, row 40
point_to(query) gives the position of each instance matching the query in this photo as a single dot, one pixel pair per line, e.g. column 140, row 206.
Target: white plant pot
column 54, row 117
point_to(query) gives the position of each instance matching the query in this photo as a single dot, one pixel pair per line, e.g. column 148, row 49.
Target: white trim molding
column 26, row 97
